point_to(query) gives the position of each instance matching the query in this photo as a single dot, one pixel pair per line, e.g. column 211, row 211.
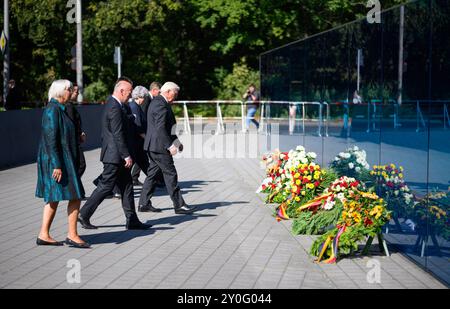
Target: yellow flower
column 297, row 175
column 294, row 189
column 393, row 166
column 297, row 199
column 372, row 173
column 298, row 182
column 303, row 193
column 309, row 177
column 401, row 168
column 310, row 186
column 356, row 217
column 316, row 176
column 317, row 167
column 372, row 196
column 377, row 211
column 400, row 175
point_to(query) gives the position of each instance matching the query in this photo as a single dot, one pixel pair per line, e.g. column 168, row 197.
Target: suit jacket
column 160, row 121
column 140, row 121
column 116, row 141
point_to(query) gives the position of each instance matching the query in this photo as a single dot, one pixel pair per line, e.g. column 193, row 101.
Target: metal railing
column 373, row 113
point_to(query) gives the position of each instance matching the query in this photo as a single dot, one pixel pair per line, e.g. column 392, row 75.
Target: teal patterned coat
column 58, row 149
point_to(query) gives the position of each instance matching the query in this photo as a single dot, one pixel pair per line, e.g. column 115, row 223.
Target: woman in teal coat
column 57, row 161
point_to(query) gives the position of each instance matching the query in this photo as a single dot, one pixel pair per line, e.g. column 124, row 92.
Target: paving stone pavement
column 231, row 242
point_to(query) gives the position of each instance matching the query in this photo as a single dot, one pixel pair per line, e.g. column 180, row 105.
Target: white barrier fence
column 322, row 122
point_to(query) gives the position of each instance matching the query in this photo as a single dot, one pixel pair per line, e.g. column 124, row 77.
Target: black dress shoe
column 86, row 224
column 74, row 244
column 117, row 196
column 148, row 208
column 41, row 242
column 138, row 226
column 184, row 210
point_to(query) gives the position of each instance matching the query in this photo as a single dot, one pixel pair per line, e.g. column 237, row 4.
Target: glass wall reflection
column 386, row 89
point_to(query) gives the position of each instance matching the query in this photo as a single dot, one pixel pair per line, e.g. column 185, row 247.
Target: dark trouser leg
column 125, row 185
column 142, row 162
column 167, row 166
column 150, row 182
column 135, row 172
column 104, row 187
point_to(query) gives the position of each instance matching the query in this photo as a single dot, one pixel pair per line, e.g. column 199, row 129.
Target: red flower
column 368, row 222
column 317, row 183
column 354, row 184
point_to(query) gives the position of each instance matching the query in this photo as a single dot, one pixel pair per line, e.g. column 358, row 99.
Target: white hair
column 58, row 87
column 169, row 86
column 139, row 92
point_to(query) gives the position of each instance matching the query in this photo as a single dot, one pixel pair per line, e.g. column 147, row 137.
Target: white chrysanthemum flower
column 329, row 205
column 351, row 165
column 357, row 169
column 311, row 155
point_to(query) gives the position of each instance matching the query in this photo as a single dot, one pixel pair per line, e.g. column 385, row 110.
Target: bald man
column 116, row 155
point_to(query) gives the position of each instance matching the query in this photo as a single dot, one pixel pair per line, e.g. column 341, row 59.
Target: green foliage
column 348, row 242
column 234, row 85
column 96, row 92
column 196, row 43
column 310, row 223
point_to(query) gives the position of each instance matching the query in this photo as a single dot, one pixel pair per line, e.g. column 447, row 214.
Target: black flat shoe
column 41, row 242
column 74, row 244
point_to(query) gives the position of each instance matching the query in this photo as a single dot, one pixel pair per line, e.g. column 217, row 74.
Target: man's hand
column 173, row 150
column 128, row 162
column 57, row 174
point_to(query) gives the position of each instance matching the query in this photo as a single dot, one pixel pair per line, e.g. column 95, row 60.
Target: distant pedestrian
column 12, row 101
column 252, row 97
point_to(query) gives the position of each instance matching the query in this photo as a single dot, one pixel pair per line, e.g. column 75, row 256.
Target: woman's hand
column 83, row 137
column 57, row 174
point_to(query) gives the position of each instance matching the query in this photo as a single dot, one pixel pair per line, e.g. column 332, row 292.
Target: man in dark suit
column 116, row 155
column 161, row 144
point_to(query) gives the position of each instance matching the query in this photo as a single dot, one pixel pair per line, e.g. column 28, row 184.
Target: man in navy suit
column 116, row 155
column 161, row 144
